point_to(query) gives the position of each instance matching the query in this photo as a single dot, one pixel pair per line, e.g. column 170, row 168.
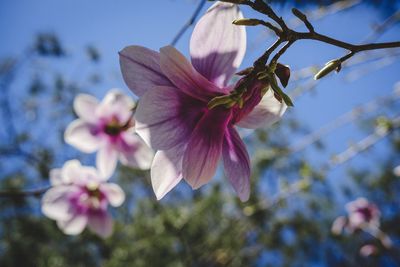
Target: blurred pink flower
column 396, row 171
column 79, row 197
column 368, row 250
column 173, row 117
column 108, row 127
column 362, row 214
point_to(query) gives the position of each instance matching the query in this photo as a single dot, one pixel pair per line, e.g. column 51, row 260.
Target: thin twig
column 290, row 36
column 189, row 23
column 26, row 193
column 347, row 117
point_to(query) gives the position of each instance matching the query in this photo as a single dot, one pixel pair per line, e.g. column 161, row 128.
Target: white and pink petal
column 116, row 105
column 114, row 194
column 204, row 149
column 217, row 47
column 80, row 135
column 101, row 223
column 266, row 113
column 182, row 74
column 75, row 225
column 141, row 70
column 56, row 204
column 106, row 161
column 166, row 170
column 134, row 152
column 236, row 163
column 85, row 107
column 166, row 117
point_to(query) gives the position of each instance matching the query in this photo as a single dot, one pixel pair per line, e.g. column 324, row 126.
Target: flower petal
column 166, row 170
column 71, row 171
column 106, row 161
column 141, row 70
column 55, row 202
column 73, row 226
column 101, row 223
column 237, row 163
column 217, row 47
column 166, row 117
column 267, row 112
column 78, row 134
column 204, row 149
column 113, row 193
column 182, row 74
column 135, row 153
column 116, row 104
column 85, row 107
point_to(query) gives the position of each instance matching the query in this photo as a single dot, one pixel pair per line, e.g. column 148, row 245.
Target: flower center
column 93, row 196
column 114, row 128
column 366, row 213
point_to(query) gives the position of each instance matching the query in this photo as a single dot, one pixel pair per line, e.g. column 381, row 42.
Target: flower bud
column 329, row 67
column 283, row 73
column 247, row 22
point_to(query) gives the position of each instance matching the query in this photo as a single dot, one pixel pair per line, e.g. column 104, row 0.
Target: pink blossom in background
column 172, row 114
column 362, row 213
column 108, row 127
column 368, row 250
column 79, row 197
column 396, row 171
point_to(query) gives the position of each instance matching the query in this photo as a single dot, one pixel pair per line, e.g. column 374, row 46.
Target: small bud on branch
column 329, row 67
column 247, row 22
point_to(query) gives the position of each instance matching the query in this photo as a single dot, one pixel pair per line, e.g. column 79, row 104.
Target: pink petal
column 182, row 74
column 55, row 202
column 135, row 153
column 106, row 161
column 237, row 163
column 113, row 193
column 217, row 47
column 73, row 226
column 166, row 117
column 116, row 104
column 101, row 223
column 71, row 170
column 88, row 175
column 141, row 70
column 166, row 171
column 78, row 134
column 267, row 112
column 204, row 149
column 85, row 107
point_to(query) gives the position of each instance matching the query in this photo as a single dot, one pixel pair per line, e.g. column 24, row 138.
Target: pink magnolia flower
column 173, row 117
column 108, row 127
column 80, row 196
column 362, row 213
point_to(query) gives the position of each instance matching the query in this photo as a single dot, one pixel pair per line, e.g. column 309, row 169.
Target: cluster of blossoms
column 80, row 195
column 362, row 215
column 173, row 116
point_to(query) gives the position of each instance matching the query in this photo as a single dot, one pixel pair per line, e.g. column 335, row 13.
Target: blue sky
column 112, row 25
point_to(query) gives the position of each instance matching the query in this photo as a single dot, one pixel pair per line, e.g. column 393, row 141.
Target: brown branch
column 290, row 36
column 21, row 194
